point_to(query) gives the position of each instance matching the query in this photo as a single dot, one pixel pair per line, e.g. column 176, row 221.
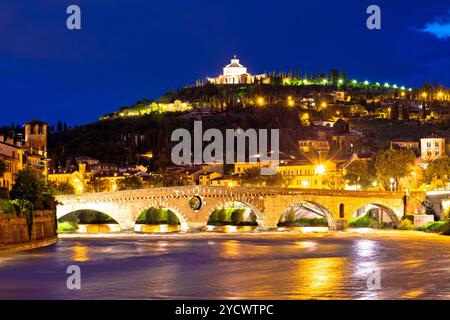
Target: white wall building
column 432, row 148
column 236, row 73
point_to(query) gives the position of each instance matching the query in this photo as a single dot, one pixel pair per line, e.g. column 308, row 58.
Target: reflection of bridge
column 194, row 204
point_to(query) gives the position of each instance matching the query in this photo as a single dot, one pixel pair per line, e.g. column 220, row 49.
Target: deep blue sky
column 128, row 50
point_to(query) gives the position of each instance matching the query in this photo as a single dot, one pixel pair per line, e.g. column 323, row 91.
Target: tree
column 32, row 187
column 97, row 185
column 253, row 177
column 290, row 216
column 172, row 218
column 438, row 169
column 130, row 183
column 334, row 181
column 360, row 172
column 62, row 188
column 237, row 216
column 393, row 164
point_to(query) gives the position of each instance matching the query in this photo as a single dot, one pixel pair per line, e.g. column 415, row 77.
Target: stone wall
column 15, row 230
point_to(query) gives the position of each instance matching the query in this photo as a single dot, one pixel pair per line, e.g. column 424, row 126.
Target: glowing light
column 424, row 94
column 374, row 184
column 324, row 81
column 395, row 86
column 148, row 155
column 440, row 94
column 320, row 169
column 354, row 81
column 340, row 81
column 366, row 82
column 323, row 104
column 386, row 84
column 260, row 101
column 305, row 183
column 377, row 84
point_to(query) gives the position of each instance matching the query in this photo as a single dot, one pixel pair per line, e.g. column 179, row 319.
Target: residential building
column 405, row 144
column 432, row 148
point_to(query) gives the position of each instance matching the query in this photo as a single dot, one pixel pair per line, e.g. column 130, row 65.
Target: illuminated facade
column 432, row 148
column 16, row 154
column 236, row 73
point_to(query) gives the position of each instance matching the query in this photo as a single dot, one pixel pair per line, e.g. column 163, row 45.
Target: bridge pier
column 193, row 227
column 341, row 224
column 127, row 225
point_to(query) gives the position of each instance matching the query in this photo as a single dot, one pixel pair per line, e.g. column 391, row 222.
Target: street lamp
column 320, row 169
column 392, row 184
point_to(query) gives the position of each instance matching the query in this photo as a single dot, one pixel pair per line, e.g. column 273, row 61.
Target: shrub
column 364, row 221
column 434, row 226
column 6, row 206
column 406, row 224
column 67, row 227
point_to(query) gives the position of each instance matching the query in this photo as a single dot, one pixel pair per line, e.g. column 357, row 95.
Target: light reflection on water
column 231, row 266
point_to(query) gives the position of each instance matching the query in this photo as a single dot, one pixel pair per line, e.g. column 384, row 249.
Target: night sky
column 129, row 50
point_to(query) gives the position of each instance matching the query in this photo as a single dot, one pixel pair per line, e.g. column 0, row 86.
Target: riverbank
column 20, row 233
column 35, row 244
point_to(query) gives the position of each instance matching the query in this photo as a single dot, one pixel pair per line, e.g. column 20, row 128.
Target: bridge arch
column 260, row 218
column 393, row 216
column 163, row 204
column 315, row 207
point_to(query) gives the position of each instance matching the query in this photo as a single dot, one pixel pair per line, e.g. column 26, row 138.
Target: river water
column 279, row 265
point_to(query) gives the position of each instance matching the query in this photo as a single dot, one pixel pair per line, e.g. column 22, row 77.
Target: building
column 295, row 173
column 35, row 146
column 405, row 144
column 307, row 175
column 16, row 154
column 11, row 156
column 349, row 142
column 432, row 148
column 236, row 73
column 315, row 145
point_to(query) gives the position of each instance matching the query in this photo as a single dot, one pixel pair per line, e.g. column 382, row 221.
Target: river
column 280, row 265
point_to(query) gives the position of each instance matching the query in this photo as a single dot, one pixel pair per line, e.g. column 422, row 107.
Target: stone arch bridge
column 194, row 204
